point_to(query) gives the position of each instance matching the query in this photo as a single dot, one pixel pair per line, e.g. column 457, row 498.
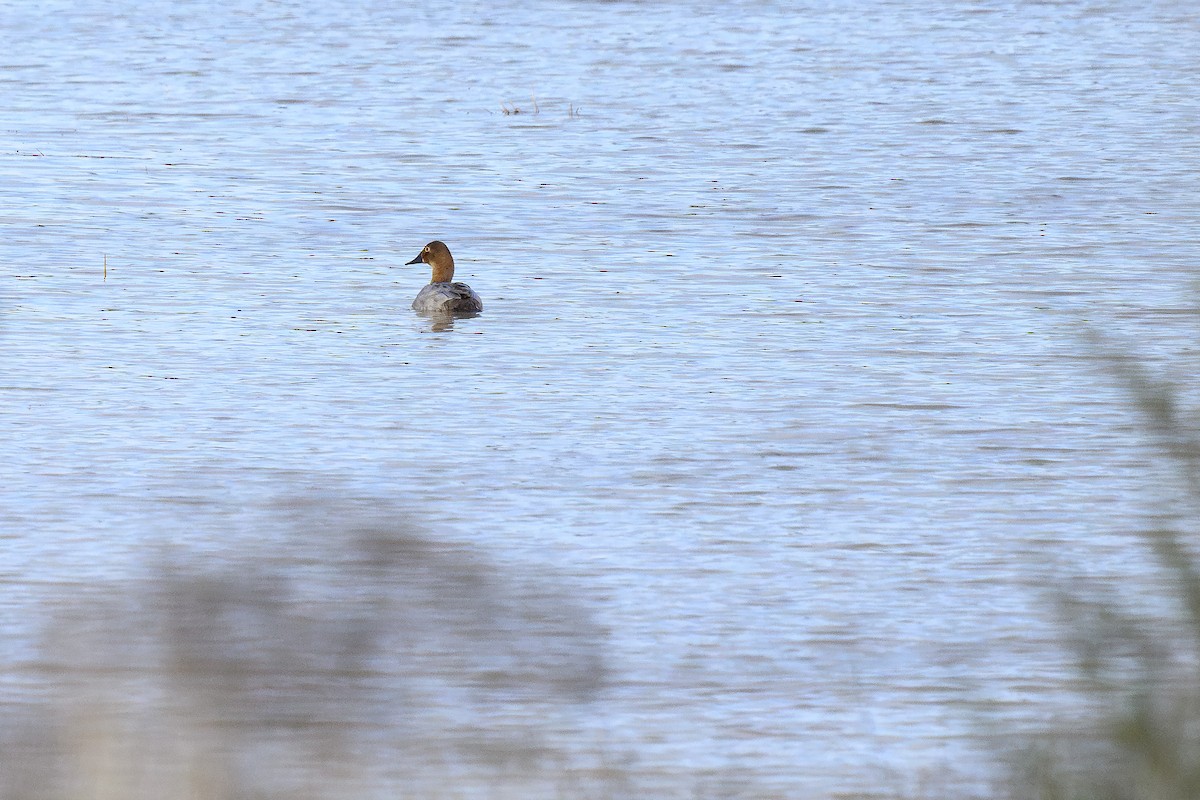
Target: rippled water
column 784, row 368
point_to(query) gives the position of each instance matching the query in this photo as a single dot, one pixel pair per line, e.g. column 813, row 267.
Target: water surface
column 784, row 370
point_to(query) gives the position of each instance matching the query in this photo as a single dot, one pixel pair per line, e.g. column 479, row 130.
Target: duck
column 441, row 295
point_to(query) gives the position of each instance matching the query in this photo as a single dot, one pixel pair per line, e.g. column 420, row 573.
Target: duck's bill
column 416, row 260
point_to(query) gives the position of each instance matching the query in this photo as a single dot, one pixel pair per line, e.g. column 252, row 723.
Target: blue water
column 785, row 368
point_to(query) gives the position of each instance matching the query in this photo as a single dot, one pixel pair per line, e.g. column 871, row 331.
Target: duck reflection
column 442, row 321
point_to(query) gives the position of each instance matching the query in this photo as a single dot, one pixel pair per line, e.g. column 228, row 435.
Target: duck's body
column 447, row 297
column 442, row 295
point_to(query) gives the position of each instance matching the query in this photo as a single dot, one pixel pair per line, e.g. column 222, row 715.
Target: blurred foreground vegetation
column 350, row 662
column 1142, row 668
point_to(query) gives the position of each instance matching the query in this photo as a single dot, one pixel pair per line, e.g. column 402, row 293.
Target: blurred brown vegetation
column 1139, row 656
column 347, row 660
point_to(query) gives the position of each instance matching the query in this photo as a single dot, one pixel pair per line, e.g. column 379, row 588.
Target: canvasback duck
column 441, row 295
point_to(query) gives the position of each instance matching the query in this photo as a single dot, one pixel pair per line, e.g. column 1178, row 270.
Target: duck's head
column 437, row 255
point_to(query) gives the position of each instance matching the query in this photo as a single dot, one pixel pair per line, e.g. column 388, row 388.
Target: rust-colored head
column 437, row 255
